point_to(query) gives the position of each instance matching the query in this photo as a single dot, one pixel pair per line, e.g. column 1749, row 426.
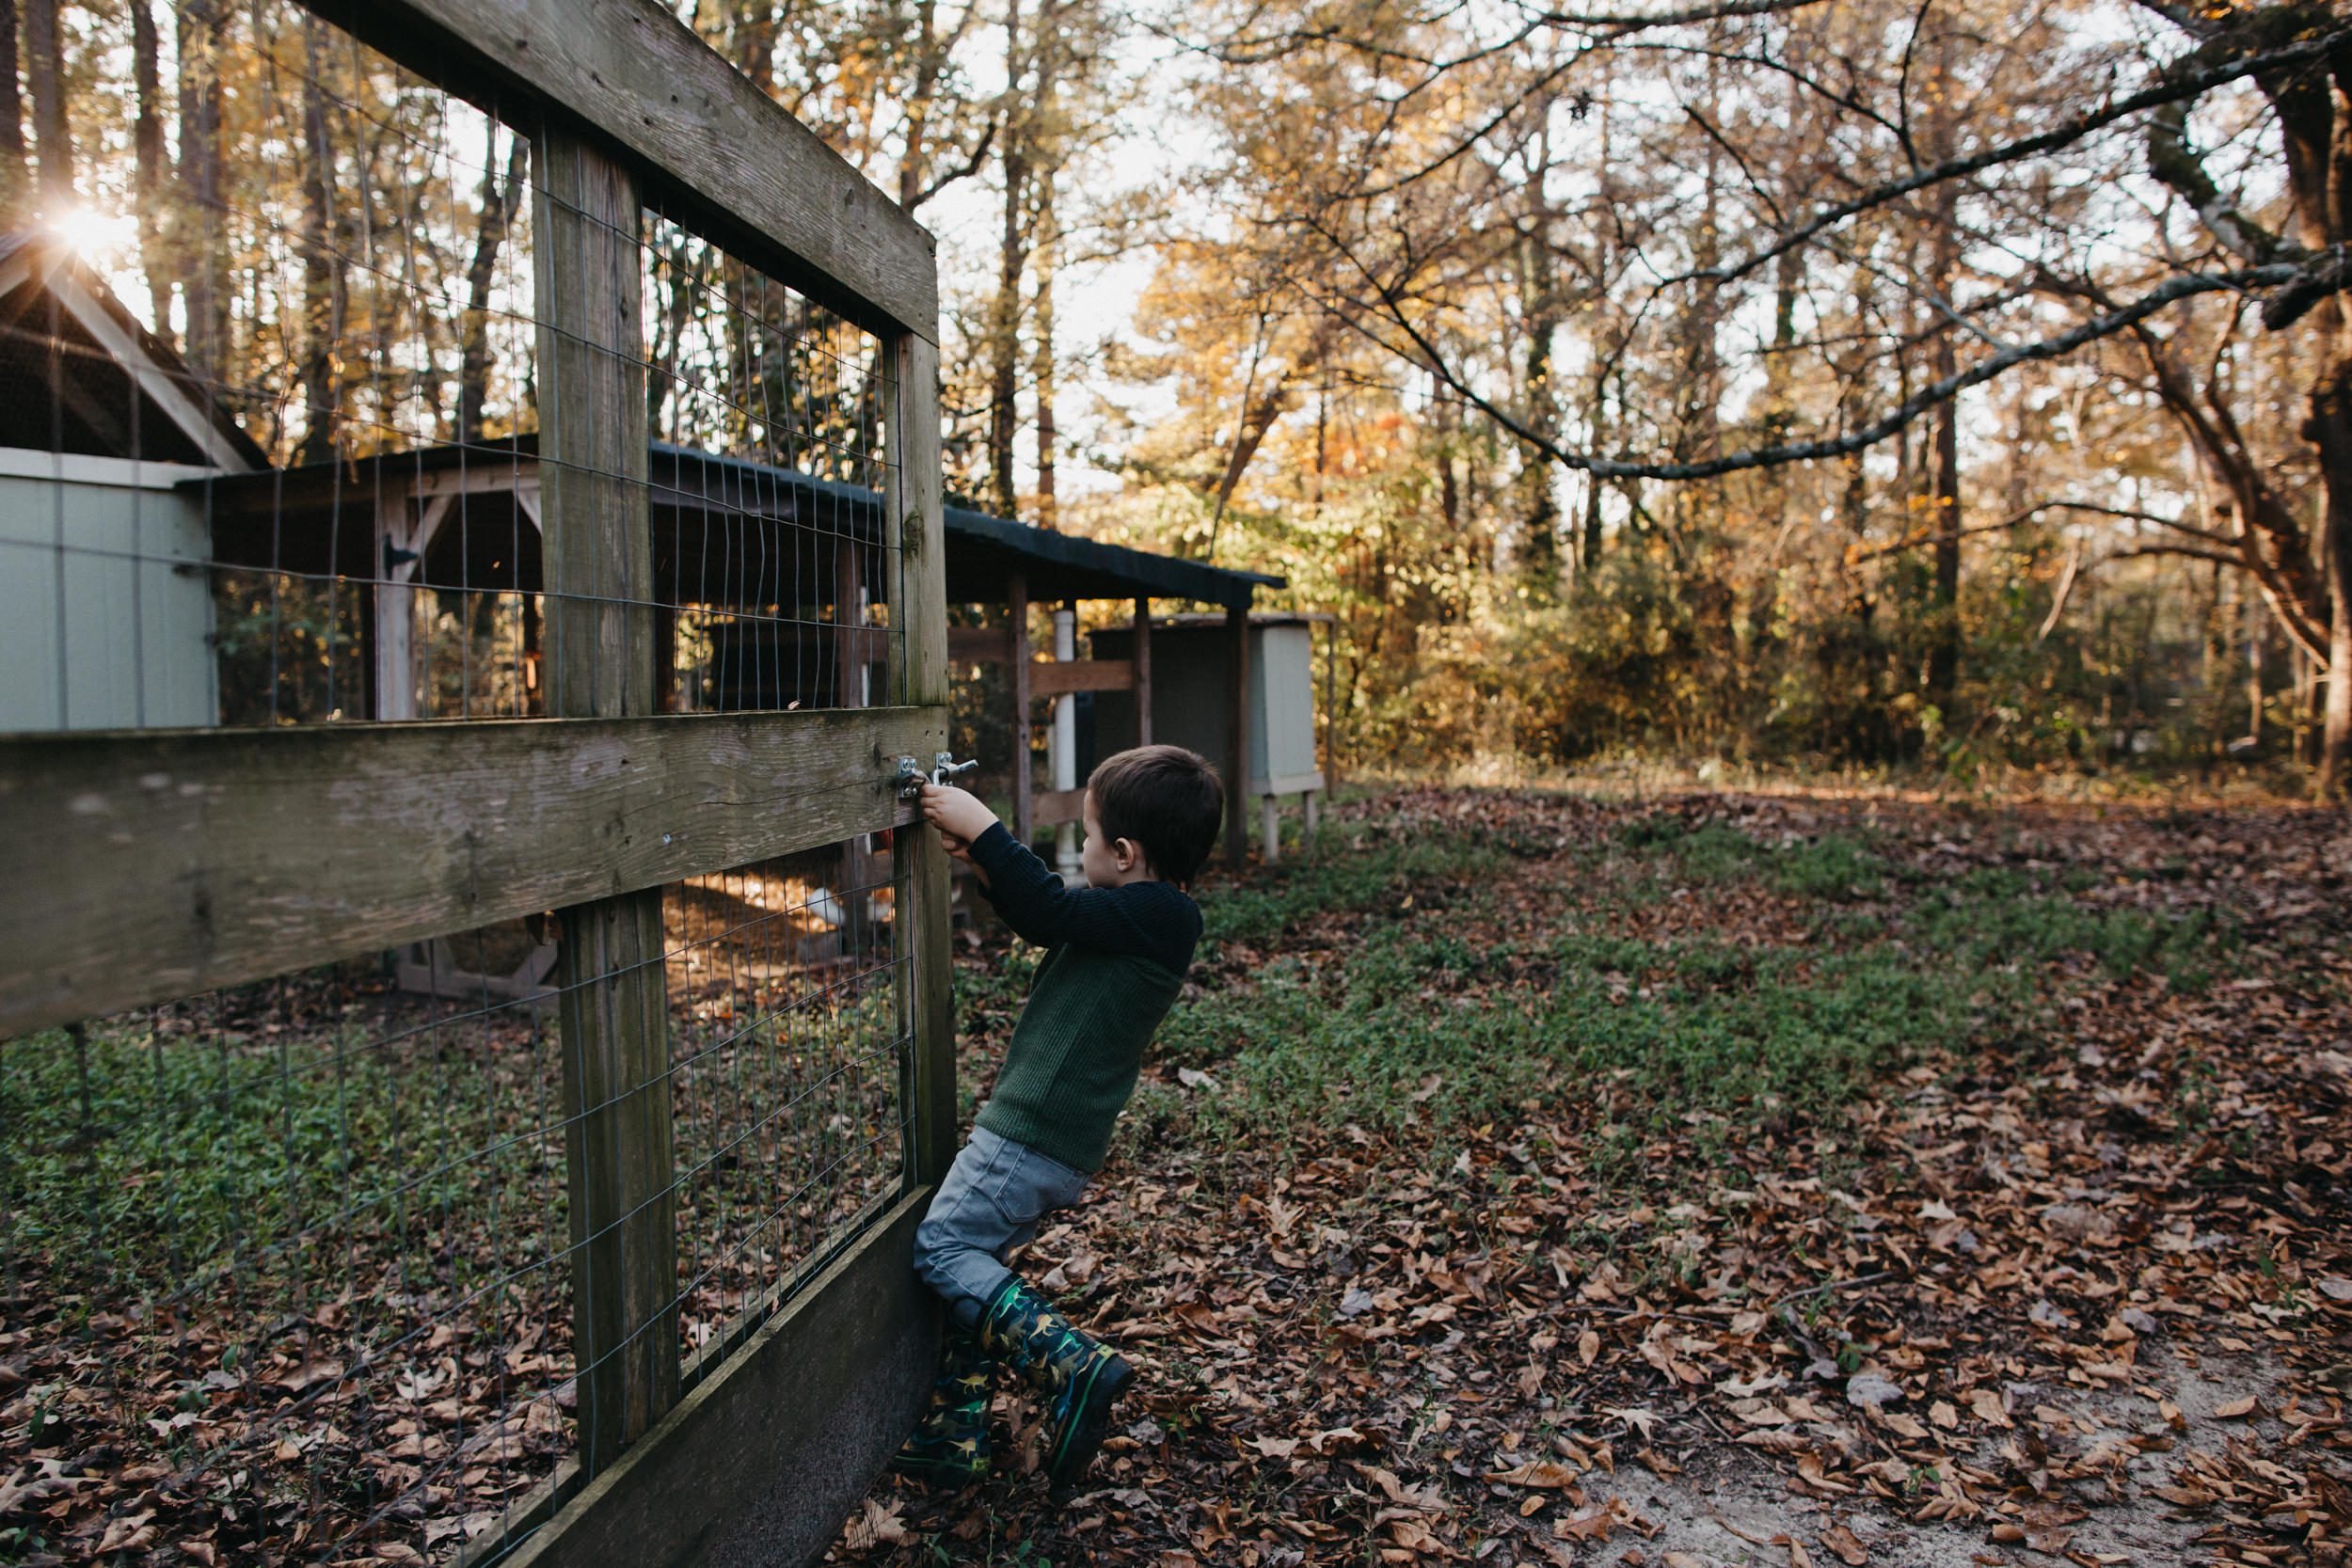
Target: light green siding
column 113, row 631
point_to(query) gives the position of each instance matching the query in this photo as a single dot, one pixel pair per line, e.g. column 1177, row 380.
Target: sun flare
column 98, row 237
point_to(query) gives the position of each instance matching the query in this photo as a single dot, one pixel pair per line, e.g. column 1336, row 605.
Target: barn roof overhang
column 983, row 552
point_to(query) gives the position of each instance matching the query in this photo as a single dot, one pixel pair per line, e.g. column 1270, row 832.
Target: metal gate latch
column 911, row 779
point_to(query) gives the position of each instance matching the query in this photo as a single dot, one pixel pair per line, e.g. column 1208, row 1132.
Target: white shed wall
column 130, row 588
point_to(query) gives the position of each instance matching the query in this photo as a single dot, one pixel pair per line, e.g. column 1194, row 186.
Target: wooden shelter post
column 1143, row 671
column 599, row 581
column 1017, row 591
column 1236, row 734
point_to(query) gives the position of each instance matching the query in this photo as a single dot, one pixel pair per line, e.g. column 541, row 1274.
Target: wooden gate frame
column 150, row 865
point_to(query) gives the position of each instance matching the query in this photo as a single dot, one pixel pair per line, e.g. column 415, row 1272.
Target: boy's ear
column 1127, row 852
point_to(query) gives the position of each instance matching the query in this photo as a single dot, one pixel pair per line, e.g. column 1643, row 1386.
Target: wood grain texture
column 1053, row 807
column 614, row 1016
column 1236, row 734
column 1143, row 672
column 919, row 863
column 978, row 645
column 591, row 432
column 1081, row 674
column 763, row 1458
column 618, row 1119
column 1023, row 783
column 158, row 864
column 713, row 149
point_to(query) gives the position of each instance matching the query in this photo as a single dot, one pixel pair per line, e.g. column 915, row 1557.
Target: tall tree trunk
column 498, row 211
column 203, row 270
column 2331, row 428
column 151, row 165
column 16, row 180
column 1011, row 265
column 52, row 133
column 1944, row 492
column 323, row 278
column 1046, row 256
column 915, row 154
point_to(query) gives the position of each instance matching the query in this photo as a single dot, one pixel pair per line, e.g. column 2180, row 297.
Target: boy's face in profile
column 1110, row 864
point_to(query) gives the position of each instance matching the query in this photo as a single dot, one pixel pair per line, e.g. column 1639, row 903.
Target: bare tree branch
column 2169, row 88
column 1933, row 395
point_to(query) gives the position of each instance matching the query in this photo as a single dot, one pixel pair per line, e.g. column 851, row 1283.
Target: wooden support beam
column 1055, row 677
column 614, row 1013
column 631, row 76
column 1051, row 808
column 917, row 527
column 1236, row 734
column 979, row 645
column 1024, row 825
column 1143, row 672
column 761, row 1460
column 163, row 863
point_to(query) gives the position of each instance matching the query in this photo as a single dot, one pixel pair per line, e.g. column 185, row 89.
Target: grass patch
column 132, row 1154
column 1424, row 1024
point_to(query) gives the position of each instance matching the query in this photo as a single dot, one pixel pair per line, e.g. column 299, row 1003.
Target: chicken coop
column 1202, row 663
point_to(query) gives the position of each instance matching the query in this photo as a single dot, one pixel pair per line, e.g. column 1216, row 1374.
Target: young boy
column 1115, row 952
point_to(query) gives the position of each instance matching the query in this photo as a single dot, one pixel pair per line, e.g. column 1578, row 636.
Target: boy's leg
column 992, row 1199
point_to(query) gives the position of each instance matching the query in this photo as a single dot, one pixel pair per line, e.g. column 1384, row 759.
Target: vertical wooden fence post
column 1017, row 589
column 1237, row 733
column 917, row 526
column 1143, row 672
column 599, row 591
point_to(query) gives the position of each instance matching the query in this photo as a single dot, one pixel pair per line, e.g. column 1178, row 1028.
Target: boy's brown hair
column 1167, row 800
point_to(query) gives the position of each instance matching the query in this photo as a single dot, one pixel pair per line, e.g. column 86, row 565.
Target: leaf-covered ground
column 1533, row 1180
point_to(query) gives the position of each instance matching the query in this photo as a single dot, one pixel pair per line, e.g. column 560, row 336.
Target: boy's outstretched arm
column 1035, row 903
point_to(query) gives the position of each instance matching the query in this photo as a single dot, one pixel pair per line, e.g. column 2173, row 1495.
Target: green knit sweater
column 1115, row 959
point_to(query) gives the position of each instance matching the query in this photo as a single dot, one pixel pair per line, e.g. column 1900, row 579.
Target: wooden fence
column 150, row 865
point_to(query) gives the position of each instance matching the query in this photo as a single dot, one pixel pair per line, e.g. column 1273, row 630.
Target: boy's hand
column 960, row 815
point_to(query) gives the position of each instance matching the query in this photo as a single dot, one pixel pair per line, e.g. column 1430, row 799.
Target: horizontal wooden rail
column 979, row 645
column 1082, row 675
column 720, row 153
column 150, row 865
column 1051, row 808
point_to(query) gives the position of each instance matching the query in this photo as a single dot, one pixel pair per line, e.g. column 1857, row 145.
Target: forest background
column 1936, row 385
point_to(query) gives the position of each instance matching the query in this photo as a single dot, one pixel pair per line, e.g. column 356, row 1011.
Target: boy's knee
column 935, row 1249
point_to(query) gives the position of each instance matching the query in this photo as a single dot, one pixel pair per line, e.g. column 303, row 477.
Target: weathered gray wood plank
column 1236, row 734
column 758, row 1461
column 1051, row 679
column 1053, row 807
column 1023, row 783
column 978, row 645
column 151, row 866
column 725, row 158
column 919, row 862
column 613, row 1013
column 1143, row 672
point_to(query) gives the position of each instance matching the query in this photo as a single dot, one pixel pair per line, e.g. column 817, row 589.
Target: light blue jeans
column 995, row 1195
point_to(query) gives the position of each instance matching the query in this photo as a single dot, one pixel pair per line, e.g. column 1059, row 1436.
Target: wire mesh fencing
column 305, row 1268
column 289, row 1268
column 272, row 455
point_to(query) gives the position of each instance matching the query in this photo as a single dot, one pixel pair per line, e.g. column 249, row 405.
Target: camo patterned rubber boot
column 1080, row 1377
column 950, row 1447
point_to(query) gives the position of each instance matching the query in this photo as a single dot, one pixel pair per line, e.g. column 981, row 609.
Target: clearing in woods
column 1727, row 1179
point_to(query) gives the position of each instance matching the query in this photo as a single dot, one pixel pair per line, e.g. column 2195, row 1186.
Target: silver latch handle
column 910, row 779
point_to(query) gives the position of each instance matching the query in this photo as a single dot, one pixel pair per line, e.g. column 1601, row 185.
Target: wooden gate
column 150, row 865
